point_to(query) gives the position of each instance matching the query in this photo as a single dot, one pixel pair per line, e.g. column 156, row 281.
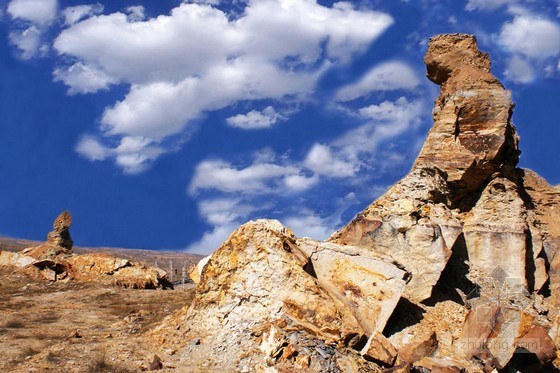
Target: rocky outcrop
column 260, row 301
column 55, row 261
column 455, row 268
column 59, row 243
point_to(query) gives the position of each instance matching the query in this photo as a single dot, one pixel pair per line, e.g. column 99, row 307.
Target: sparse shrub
column 52, row 358
column 27, row 351
column 14, row 324
column 101, row 364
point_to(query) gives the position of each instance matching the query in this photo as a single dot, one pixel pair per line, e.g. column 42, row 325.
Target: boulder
column 537, row 341
column 369, row 286
column 420, row 347
column 253, row 296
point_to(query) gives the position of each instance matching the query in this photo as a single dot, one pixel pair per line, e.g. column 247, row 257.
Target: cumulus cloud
column 74, row 14
column 384, row 121
column 322, row 161
column 387, row 76
column 274, row 50
column 91, row 149
column 83, row 78
column 132, row 154
column 34, row 16
column 28, row 41
column 39, row 12
column 255, row 119
column 136, row 13
column 519, row 70
column 211, row 240
column 256, row 178
column 532, row 36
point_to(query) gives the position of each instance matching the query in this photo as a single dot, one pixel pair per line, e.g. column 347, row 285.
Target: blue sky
column 166, row 124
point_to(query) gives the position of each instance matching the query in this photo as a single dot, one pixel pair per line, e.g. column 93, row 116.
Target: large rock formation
column 55, row 261
column 455, row 268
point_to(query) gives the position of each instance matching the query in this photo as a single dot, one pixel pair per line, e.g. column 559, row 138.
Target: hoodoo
column 454, row 269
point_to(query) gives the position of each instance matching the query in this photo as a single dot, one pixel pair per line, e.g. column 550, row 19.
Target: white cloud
column 222, row 211
column 255, row 119
column 213, row 239
column 307, row 224
column 28, row 41
column 39, row 12
column 321, row 160
column 82, row 78
column 132, row 154
column 519, row 70
column 255, row 179
column 74, row 14
column 487, row 4
column 387, row 76
column 385, row 121
column 136, row 13
column 199, row 59
column 532, row 36
column 91, row 149
column 27, row 35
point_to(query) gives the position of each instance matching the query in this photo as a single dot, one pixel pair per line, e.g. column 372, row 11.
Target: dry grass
column 101, row 364
column 27, row 351
column 52, row 358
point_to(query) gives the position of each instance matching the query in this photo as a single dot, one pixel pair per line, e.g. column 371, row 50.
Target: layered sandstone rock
column 455, row 268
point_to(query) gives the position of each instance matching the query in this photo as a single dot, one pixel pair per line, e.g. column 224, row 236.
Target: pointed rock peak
column 448, row 53
column 62, row 222
column 472, row 137
column 60, row 235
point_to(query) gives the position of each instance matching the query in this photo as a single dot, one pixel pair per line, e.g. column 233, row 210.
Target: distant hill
column 157, row 258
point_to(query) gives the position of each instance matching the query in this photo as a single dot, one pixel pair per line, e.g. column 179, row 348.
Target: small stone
column 420, row 347
column 537, row 341
column 379, row 349
column 156, row 363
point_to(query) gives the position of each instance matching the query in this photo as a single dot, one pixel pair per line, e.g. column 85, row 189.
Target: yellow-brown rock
column 472, row 136
column 413, row 224
column 368, row 285
column 252, row 283
column 452, row 269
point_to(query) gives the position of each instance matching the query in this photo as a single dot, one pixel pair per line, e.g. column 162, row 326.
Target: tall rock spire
column 472, row 136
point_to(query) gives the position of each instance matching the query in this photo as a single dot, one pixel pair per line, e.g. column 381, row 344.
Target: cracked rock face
column 263, row 290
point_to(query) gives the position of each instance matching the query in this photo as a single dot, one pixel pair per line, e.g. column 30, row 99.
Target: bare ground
column 79, row 327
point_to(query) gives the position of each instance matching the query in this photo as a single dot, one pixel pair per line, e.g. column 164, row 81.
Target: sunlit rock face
column 454, row 268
